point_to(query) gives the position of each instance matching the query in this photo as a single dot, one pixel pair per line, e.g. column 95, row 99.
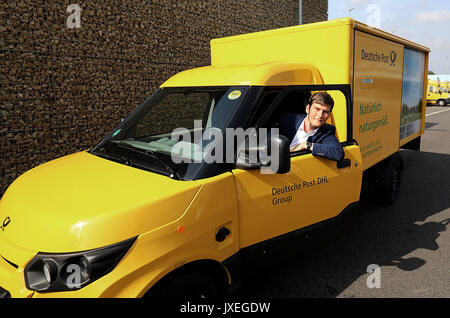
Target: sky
column 425, row 22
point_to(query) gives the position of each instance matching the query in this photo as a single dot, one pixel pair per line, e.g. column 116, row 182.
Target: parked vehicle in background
column 445, row 87
column 437, row 94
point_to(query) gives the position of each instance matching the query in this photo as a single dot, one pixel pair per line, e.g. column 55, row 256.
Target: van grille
column 10, row 263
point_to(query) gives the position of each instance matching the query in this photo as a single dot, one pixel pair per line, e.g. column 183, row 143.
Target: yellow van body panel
column 264, row 74
column 271, row 205
column 433, row 93
column 13, row 280
column 377, row 94
column 85, row 202
column 446, row 85
column 163, row 250
column 331, row 56
column 161, row 247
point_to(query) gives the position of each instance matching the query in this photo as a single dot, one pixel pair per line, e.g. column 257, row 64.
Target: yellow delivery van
column 445, row 88
column 152, row 211
column 437, row 94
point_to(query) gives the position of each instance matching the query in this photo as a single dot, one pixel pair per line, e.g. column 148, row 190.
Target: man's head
column 319, row 109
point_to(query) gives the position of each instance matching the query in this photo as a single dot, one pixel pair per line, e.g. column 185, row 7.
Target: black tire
column 390, row 189
column 442, row 102
column 187, row 285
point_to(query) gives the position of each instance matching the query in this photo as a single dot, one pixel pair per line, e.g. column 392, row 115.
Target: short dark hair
column 322, row 98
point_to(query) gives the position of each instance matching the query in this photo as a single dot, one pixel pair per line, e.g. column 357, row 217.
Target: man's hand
column 300, row 146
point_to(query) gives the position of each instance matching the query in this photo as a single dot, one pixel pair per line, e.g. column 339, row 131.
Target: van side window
column 267, row 98
column 293, row 103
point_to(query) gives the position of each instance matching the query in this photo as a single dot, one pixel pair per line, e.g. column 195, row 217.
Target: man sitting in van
column 310, row 131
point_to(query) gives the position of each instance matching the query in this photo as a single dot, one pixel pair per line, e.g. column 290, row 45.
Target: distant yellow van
column 145, row 213
column 437, row 94
column 445, row 87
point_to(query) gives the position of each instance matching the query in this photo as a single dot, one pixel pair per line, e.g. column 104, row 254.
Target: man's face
column 318, row 114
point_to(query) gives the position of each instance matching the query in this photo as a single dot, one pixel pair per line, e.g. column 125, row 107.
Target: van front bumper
column 130, row 278
column 12, row 285
column 12, row 282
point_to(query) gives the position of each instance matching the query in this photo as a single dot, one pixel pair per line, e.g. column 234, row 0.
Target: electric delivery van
column 437, row 94
column 149, row 211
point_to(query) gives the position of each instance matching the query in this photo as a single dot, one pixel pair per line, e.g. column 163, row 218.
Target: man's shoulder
column 329, row 127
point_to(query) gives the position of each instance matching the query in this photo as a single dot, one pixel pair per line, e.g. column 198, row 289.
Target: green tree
column 430, row 72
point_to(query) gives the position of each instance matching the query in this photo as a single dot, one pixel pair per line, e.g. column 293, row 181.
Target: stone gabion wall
column 314, row 11
column 63, row 89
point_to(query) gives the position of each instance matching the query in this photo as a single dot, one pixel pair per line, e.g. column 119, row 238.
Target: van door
column 314, row 190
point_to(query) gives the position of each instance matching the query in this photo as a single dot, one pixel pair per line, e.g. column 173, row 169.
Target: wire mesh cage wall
column 63, row 88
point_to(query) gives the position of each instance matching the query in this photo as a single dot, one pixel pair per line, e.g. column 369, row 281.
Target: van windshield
column 166, row 133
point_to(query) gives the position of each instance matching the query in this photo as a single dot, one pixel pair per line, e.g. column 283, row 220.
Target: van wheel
column 187, row 285
column 442, row 102
column 391, row 188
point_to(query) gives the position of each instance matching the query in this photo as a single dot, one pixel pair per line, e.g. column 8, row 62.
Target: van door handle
column 222, row 234
column 344, row 163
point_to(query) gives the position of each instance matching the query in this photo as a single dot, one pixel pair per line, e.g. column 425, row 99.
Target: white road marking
column 437, row 112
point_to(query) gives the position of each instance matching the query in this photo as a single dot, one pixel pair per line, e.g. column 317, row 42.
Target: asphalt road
column 409, row 240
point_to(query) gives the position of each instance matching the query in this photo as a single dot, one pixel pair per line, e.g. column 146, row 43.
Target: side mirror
column 274, row 157
column 279, row 151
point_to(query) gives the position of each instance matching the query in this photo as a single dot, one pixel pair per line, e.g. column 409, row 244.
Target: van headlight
column 48, row 272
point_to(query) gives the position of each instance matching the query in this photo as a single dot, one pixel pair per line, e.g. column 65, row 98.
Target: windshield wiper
column 123, row 160
column 152, row 154
column 102, row 153
column 169, row 168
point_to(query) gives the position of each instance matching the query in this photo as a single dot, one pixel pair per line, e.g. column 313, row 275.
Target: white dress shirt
column 302, row 135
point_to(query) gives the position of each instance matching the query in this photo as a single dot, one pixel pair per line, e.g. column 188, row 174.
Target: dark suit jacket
column 325, row 141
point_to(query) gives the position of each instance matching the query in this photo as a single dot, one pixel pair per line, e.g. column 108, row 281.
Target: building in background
column 70, row 70
column 439, row 77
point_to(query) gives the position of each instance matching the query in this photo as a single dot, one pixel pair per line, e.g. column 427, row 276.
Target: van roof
column 265, row 74
column 237, row 61
column 326, row 24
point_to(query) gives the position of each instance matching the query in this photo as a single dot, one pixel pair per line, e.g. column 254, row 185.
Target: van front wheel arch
column 202, row 280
